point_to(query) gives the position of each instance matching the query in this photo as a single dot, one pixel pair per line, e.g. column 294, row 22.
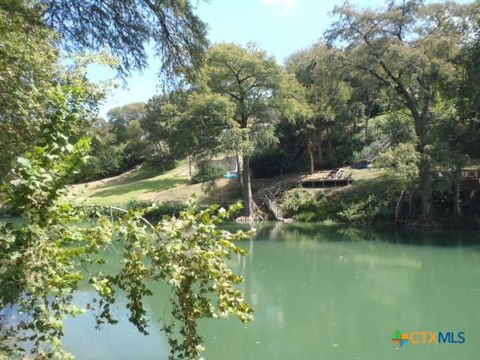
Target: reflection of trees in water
column 412, row 236
column 10, row 317
column 351, row 275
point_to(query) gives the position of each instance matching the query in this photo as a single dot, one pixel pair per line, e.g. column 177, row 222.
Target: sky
column 281, row 27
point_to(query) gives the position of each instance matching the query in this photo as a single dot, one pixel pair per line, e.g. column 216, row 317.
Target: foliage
column 412, row 54
column 370, row 150
column 466, row 90
column 207, row 174
column 154, row 212
column 27, row 65
column 206, row 127
column 125, row 121
column 105, row 157
column 38, row 276
column 369, row 210
column 367, row 202
column 329, row 94
column 188, row 252
column 126, row 28
column 268, row 162
column 160, row 127
column 402, row 163
column 50, row 108
column 42, row 257
column 260, row 91
column 295, row 201
column 393, row 125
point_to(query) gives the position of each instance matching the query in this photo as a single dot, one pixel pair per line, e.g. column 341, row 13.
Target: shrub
column 169, row 208
column 373, row 208
column 365, row 203
column 296, row 200
column 267, row 163
column 208, row 172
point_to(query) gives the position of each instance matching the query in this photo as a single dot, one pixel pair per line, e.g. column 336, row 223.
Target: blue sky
column 279, row 26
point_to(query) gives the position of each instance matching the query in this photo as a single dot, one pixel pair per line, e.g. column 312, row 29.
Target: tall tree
column 467, row 90
column 319, row 69
column 261, row 92
column 32, row 31
column 409, row 47
column 160, row 124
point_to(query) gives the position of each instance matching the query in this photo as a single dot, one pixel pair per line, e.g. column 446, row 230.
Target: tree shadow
column 134, row 175
column 140, row 186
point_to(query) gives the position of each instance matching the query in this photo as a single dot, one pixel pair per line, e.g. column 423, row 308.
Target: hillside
column 147, row 183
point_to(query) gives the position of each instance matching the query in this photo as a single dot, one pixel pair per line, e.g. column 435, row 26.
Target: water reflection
column 322, row 293
column 340, row 293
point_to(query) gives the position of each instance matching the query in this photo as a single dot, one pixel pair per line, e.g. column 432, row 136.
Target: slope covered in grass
column 147, row 183
column 141, row 183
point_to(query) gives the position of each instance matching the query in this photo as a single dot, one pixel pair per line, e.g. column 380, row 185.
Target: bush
column 296, row 200
column 267, row 163
column 207, row 174
column 166, row 208
column 367, row 202
column 372, row 209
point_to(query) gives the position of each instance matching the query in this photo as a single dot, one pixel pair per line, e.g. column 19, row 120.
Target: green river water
column 325, row 294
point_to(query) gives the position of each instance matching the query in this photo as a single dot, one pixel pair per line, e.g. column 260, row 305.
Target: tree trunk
column 426, row 189
column 457, row 212
column 190, row 166
column 247, row 187
column 239, row 168
column 425, row 161
column 330, row 145
column 366, row 129
column 319, row 147
column 311, row 157
column 367, row 116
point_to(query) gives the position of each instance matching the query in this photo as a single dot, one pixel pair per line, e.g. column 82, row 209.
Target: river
column 324, row 293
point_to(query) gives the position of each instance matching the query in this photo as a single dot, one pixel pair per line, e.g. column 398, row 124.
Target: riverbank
column 373, row 201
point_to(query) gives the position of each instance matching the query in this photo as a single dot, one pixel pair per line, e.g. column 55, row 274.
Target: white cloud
column 286, row 5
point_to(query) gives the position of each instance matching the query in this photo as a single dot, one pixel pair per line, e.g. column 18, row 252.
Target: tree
column 126, row 27
column 27, row 65
column 161, row 125
column 28, row 29
column 121, row 116
column 409, row 47
column 466, row 92
column 105, row 157
column 261, row 92
column 206, row 127
column 319, row 69
column 41, row 259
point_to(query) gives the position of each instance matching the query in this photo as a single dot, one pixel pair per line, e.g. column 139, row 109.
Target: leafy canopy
column 42, row 259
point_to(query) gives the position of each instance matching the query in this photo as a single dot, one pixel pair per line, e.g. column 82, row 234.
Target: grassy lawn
column 146, row 183
column 142, row 183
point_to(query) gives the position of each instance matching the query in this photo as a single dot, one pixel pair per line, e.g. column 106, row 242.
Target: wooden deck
column 470, row 184
column 471, row 174
column 325, row 183
column 326, row 179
